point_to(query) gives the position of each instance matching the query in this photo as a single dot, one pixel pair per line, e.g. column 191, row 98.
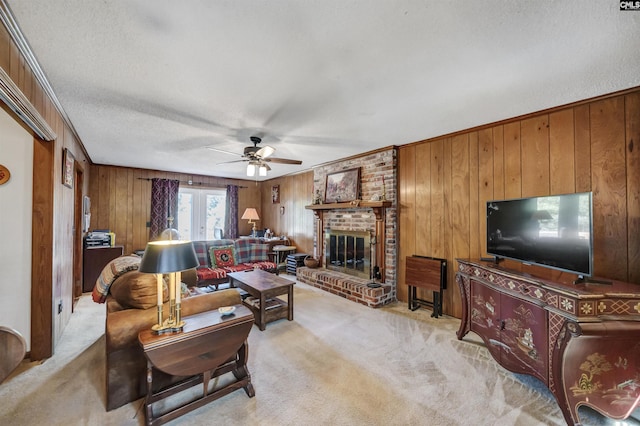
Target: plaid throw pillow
column 222, row 256
column 259, row 252
column 243, row 249
column 202, row 253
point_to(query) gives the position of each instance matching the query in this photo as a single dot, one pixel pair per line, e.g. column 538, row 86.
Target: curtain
column 231, row 212
column 164, row 205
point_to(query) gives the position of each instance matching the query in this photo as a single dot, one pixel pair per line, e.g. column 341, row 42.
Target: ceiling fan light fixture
column 258, row 158
column 266, row 151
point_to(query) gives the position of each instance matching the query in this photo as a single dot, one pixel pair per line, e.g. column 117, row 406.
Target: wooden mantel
column 349, row 205
column 377, row 206
column 379, row 209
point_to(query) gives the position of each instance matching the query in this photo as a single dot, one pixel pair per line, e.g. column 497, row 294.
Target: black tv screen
column 554, row 231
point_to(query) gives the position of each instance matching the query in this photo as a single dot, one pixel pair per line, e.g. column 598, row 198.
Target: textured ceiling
column 151, row 84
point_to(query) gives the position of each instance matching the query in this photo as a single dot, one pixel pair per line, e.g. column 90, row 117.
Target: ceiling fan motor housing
column 250, row 151
column 259, row 156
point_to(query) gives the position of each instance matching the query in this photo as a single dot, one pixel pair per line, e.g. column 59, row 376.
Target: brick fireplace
column 369, row 216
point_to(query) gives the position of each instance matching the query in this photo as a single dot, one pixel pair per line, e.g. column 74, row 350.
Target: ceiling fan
column 257, row 157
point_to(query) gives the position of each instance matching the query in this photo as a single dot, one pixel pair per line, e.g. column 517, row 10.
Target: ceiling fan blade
column 283, row 161
column 223, row 151
column 229, row 162
column 265, row 151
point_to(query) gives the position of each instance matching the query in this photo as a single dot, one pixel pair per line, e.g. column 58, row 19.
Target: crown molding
column 18, row 102
column 23, row 47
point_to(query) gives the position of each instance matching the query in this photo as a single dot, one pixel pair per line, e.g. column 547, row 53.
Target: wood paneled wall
column 296, row 222
column 121, row 200
column 444, row 183
column 53, row 236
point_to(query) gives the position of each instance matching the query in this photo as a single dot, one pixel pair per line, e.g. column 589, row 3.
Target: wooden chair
column 12, row 350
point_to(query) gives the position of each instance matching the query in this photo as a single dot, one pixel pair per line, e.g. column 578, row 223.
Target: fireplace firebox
column 348, row 252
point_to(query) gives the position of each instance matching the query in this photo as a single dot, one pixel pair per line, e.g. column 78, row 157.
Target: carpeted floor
column 337, row 363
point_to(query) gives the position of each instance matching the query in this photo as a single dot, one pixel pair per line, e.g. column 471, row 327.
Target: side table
column 209, row 346
column 281, row 253
column 429, row 273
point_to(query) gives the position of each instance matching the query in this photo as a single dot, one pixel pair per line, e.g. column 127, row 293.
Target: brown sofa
column 131, row 308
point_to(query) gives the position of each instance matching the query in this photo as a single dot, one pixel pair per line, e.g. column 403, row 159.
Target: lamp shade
column 161, row 257
column 251, row 214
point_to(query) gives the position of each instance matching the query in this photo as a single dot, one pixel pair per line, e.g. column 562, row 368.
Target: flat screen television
column 553, row 231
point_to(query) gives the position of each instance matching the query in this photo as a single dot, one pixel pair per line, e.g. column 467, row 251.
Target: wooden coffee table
column 264, row 287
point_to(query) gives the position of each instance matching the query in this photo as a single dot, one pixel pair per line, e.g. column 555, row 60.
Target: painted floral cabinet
column 514, row 330
column 599, row 365
column 581, row 340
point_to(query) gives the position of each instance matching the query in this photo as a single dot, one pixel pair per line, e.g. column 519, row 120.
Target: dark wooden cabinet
column 581, row 340
column 513, row 329
column 93, row 261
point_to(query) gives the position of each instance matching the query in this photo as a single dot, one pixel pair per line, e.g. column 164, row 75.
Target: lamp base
column 168, row 327
column 374, row 285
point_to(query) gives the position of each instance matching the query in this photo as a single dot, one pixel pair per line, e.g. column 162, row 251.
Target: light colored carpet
column 337, row 363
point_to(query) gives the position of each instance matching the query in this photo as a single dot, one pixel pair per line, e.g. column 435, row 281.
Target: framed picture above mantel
column 342, row 186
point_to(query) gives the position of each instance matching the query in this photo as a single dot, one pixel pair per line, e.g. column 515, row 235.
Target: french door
column 201, row 213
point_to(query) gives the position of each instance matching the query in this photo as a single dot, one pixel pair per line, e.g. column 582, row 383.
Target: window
column 201, row 213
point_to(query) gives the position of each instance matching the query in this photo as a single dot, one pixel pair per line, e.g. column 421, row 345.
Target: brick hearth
column 347, row 286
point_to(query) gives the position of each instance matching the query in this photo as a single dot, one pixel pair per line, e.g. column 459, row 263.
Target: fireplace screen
column 348, row 252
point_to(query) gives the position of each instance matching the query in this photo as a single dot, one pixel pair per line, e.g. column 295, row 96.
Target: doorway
column 77, row 235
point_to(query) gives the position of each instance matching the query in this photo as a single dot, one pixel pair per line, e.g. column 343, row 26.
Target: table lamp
column 170, row 233
column 251, row 214
column 169, row 257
